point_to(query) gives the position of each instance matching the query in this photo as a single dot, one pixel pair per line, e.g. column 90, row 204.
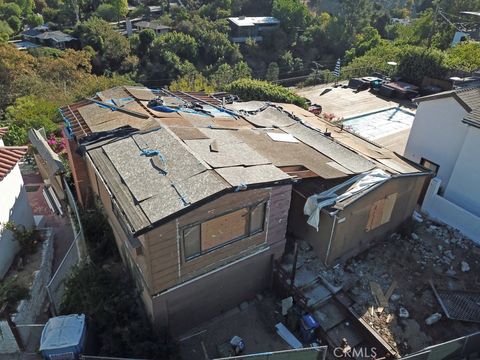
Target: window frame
column 248, row 232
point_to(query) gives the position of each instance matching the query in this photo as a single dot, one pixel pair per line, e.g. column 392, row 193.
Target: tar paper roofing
column 63, row 332
column 159, row 164
column 9, row 157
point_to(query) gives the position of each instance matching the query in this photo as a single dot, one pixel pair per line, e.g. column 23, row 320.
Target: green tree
column 111, row 47
column 418, row 62
column 366, row 40
column 5, row 31
column 121, row 8
column 29, row 112
column 216, row 9
column 357, row 14
column 15, row 23
column 464, row 56
column 192, row 82
column 9, row 9
column 34, row 20
column 248, row 89
column 293, row 14
column 27, row 6
column 183, row 45
column 226, row 74
column 272, row 72
column 106, row 12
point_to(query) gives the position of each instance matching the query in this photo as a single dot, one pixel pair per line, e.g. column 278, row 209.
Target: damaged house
column 203, row 195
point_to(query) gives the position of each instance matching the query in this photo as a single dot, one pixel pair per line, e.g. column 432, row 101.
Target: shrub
column 248, row 89
column 28, row 239
column 11, row 293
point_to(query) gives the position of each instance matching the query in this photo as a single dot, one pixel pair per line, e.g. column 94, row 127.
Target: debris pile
column 389, row 284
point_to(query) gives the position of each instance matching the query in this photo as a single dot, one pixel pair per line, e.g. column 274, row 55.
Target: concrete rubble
column 413, row 318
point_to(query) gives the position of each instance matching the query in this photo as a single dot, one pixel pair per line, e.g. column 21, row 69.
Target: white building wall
column 437, row 135
column 443, row 210
column 14, row 207
column 463, row 187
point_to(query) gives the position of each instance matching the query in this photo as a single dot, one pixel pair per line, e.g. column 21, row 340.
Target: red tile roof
column 9, row 156
column 3, row 131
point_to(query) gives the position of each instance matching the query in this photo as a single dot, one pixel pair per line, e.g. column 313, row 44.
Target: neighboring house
column 23, row 45
column 445, row 138
column 245, row 27
column 14, row 206
column 158, row 28
column 200, row 194
column 406, row 21
column 41, row 35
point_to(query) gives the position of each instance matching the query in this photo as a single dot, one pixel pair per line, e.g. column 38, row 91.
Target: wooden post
column 4, row 315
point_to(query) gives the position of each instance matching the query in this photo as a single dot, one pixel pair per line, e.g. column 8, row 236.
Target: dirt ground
column 425, row 252
column 254, row 322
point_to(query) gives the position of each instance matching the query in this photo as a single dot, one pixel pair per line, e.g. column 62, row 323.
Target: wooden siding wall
column 351, row 237
column 349, row 233
column 142, row 275
column 187, row 306
column 165, row 246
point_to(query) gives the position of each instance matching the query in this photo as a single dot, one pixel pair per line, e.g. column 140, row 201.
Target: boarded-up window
column 238, row 224
column 257, row 218
column 224, row 228
column 381, row 212
column 191, row 241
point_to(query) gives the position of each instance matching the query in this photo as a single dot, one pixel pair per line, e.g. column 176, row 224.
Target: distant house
column 401, row 21
column 158, row 28
column 245, row 27
column 41, row 35
column 445, row 138
column 200, row 193
column 14, row 206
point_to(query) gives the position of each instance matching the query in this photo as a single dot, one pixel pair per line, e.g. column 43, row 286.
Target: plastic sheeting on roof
column 62, row 332
column 358, row 184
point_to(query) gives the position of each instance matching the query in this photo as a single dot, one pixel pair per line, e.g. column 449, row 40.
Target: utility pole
column 433, row 29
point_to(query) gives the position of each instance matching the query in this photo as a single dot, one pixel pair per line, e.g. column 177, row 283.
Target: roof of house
column 255, row 20
column 473, row 118
column 158, row 164
column 151, row 25
column 56, row 36
column 468, row 98
column 31, row 32
column 9, row 157
column 3, row 131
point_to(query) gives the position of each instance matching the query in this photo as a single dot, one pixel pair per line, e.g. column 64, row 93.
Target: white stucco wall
column 463, row 187
column 443, row 210
column 437, row 135
column 14, row 207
